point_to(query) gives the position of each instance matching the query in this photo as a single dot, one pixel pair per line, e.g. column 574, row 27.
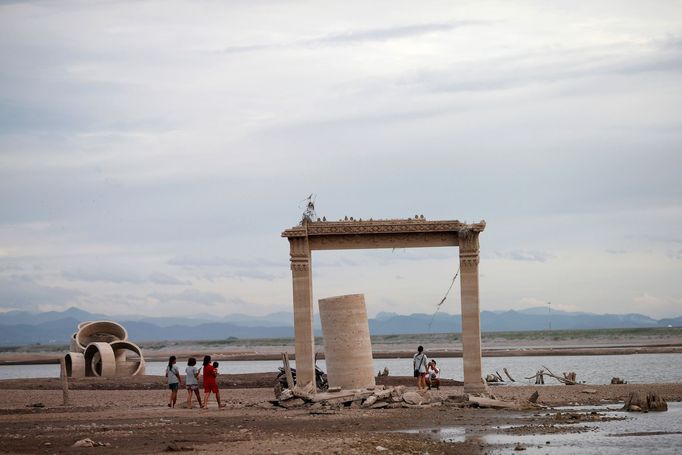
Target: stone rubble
column 381, row 397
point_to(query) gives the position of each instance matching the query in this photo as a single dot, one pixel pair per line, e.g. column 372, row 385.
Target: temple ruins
column 347, row 345
column 415, row 232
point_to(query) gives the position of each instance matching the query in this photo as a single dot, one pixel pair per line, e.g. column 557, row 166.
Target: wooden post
column 65, row 381
column 287, row 371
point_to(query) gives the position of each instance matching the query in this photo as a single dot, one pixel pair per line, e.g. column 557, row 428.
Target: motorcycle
column 320, row 380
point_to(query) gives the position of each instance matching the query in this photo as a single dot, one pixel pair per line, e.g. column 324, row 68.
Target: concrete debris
column 534, row 397
column 175, row 447
column 285, row 395
column 87, row 442
column 493, row 403
column 618, row 381
column 412, row 398
column 369, row 401
column 591, row 391
column 390, row 398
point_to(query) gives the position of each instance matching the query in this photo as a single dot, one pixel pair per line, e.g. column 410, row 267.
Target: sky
column 151, row 153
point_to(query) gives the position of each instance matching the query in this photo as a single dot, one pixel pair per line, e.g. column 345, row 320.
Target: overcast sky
column 152, row 152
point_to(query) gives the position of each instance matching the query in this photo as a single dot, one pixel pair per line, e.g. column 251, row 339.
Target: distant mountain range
column 54, row 327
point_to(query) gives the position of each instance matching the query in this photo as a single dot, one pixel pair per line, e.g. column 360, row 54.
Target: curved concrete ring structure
column 125, row 366
column 83, row 324
column 74, row 346
column 347, row 346
column 100, row 331
column 100, row 360
column 75, row 365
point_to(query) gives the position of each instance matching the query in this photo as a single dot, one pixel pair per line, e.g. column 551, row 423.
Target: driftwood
column 567, row 378
column 538, row 376
column 494, row 378
column 287, row 370
column 508, row 375
column 65, row 381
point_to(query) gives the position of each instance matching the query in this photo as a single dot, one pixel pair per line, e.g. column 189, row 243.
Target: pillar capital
column 468, row 241
column 300, row 265
column 300, row 254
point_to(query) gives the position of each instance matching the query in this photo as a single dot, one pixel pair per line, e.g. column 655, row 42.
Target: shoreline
column 138, row 420
column 229, row 355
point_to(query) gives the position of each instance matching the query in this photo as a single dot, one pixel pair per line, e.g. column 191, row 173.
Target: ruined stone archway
column 394, row 233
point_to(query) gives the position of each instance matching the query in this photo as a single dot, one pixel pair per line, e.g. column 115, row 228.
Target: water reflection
column 631, row 433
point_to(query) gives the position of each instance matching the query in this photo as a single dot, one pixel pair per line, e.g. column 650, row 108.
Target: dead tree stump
column 643, row 402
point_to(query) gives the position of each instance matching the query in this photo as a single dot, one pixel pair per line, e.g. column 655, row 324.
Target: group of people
column 426, row 371
column 192, row 373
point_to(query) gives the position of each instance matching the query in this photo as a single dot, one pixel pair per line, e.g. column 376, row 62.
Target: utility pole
column 549, row 315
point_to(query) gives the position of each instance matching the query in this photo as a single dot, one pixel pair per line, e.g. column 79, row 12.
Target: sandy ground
column 137, row 420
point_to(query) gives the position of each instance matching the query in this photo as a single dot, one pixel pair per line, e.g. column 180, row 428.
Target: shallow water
column 638, row 433
column 635, row 368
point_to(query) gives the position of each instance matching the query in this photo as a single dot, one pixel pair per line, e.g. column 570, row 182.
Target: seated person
column 433, row 376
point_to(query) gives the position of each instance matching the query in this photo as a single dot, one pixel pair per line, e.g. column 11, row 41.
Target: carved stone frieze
column 468, row 261
column 316, row 228
column 468, row 241
column 300, row 266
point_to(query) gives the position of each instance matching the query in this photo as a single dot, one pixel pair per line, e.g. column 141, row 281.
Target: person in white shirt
column 174, row 382
column 434, row 375
column 420, row 363
column 191, row 375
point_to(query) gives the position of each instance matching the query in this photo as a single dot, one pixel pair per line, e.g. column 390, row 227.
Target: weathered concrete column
column 304, row 337
column 347, row 345
column 471, row 315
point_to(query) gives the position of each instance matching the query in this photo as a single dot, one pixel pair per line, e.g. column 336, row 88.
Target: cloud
column 658, row 306
column 675, row 254
column 216, row 261
column 189, row 297
column 389, row 33
column 22, row 292
column 111, row 275
column 162, row 278
column 120, row 276
column 524, row 255
column 358, row 36
column 616, row 252
column 506, row 73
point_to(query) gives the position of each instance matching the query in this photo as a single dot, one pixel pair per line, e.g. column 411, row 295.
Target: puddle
column 445, row 434
column 579, row 429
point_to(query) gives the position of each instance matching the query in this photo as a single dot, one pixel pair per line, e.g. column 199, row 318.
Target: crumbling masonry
column 394, row 233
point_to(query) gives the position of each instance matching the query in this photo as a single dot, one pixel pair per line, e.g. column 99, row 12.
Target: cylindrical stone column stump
column 347, row 346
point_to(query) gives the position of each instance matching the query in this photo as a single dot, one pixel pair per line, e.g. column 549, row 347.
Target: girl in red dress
column 210, row 382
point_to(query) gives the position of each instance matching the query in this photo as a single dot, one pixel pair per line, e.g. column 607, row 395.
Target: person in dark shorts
column 173, row 376
column 420, row 363
column 191, row 375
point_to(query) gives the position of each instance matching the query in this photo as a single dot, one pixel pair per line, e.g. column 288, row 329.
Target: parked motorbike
column 320, row 380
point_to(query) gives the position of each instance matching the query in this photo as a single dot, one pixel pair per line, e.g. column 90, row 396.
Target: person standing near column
column 420, row 363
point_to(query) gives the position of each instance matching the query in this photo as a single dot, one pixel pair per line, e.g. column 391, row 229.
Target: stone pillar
column 347, row 345
column 304, row 336
column 471, row 315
